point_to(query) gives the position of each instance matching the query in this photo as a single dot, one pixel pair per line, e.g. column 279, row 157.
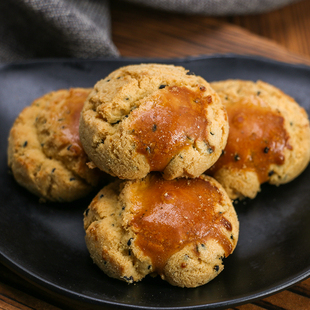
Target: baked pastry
column 44, row 151
column 153, row 117
column 269, row 138
column 181, row 233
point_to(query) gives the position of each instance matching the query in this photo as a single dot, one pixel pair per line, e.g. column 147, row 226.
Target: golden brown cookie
column 269, row 138
column 180, row 229
column 153, row 117
column 45, row 152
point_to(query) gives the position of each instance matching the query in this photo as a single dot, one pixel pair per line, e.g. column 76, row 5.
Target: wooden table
column 283, row 35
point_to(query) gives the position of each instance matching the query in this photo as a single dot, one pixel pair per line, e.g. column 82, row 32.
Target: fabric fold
column 55, row 28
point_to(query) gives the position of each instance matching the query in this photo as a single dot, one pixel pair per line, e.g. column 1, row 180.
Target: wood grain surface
column 142, row 32
column 283, row 35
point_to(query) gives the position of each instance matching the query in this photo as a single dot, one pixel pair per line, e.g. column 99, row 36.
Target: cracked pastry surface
column 44, row 150
column 152, row 117
column 181, row 233
column 269, row 138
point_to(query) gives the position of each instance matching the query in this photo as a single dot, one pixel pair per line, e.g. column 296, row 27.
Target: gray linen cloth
column 82, row 28
column 215, row 7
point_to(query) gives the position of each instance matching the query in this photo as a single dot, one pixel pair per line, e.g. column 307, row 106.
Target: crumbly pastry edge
column 45, row 177
column 117, row 256
column 119, row 159
column 296, row 123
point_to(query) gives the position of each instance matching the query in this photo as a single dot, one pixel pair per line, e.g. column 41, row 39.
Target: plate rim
column 57, row 289
column 126, row 59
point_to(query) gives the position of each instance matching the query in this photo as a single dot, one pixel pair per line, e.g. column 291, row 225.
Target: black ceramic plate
column 44, row 243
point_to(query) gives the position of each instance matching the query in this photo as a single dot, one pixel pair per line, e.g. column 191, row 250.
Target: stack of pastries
column 177, row 151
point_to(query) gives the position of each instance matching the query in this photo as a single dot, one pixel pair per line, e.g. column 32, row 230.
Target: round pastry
column 44, row 151
column 152, row 117
column 269, row 138
column 181, row 233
